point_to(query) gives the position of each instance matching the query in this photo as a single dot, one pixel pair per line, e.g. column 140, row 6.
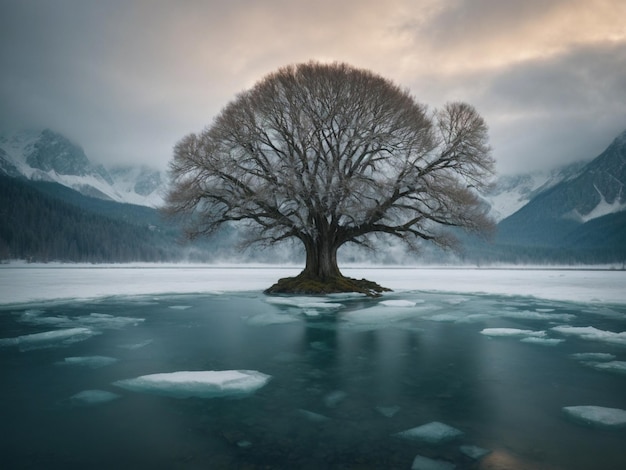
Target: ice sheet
column 200, row 384
column 431, row 433
column 22, row 283
column 49, row 339
column 598, row 415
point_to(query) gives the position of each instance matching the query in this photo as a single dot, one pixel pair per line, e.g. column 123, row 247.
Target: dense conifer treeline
column 41, row 221
column 37, row 227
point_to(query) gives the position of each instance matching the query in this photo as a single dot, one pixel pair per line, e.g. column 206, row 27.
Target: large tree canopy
column 330, row 154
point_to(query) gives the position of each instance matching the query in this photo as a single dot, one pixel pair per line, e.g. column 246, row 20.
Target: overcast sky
column 126, row 79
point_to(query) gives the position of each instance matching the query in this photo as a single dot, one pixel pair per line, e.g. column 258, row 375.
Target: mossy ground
column 304, row 284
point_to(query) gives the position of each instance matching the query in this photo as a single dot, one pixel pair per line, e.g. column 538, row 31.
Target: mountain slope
column 49, row 156
column 509, row 193
column 586, row 211
column 35, row 225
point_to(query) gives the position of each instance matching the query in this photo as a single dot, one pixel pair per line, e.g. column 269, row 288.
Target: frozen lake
column 193, row 367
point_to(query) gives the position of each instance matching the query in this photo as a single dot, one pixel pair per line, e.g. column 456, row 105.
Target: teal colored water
column 347, row 377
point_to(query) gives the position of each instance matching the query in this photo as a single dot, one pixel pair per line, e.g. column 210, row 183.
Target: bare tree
column 330, row 154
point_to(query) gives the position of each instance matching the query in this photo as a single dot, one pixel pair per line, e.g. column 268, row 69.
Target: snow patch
column 200, row 384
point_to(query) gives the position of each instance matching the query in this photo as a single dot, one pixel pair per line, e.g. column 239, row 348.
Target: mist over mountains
column 49, row 156
column 59, row 206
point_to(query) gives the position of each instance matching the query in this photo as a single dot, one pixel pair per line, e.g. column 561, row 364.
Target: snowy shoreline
column 25, row 283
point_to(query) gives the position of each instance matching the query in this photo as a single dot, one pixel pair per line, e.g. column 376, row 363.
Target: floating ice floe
column 94, row 320
column 180, row 307
column 598, row 415
column 513, row 332
column 49, row 339
column 200, row 384
column 592, row 334
column 382, row 315
column 536, row 315
column 398, row 303
column 593, row 356
column 424, row 463
column 542, row 341
column 93, row 397
column 474, row 452
column 93, row 362
column 612, row 366
column 271, row 318
column 304, row 302
column 431, row 433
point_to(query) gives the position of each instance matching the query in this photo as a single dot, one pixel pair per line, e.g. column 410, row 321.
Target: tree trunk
column 321, row 259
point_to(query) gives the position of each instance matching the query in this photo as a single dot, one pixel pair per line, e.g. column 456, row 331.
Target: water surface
column 347, row 375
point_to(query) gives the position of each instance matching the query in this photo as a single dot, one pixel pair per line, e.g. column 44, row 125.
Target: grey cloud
column 547, row 112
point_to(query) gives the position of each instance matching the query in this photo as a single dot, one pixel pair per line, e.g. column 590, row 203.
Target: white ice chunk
column 398, row 303
column 611, row 417
column 474, row 452
column 49, row 339
column 388, row 411
column 201, row 384
column 431, row 433
column 179, row 307
column 592, row 334
column 542, row 341
column 593, row 356
column 93, row 397
column 612, row 366
column 93, row 362
column 424, row 463
column 514, row 332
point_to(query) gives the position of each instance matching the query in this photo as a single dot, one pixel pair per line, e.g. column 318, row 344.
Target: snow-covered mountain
column 580, row 211
column 510, row 193
column 49, row 156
